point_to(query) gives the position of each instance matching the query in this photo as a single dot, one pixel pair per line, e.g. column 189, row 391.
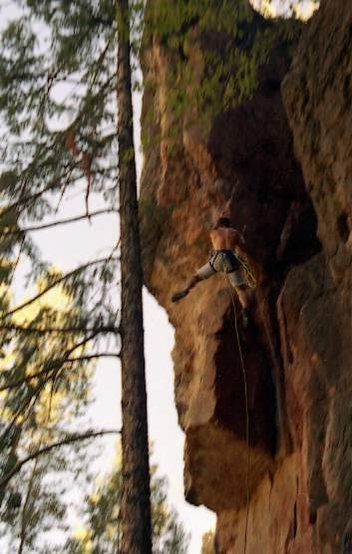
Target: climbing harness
column 224, row 260
column 248, row 467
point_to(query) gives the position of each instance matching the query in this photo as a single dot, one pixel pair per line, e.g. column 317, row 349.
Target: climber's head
column 223, row 222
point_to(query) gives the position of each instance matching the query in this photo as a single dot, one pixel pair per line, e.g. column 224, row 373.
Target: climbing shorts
column 224, row 261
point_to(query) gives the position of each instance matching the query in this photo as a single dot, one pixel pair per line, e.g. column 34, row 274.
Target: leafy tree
column 83, row 52
column 52, row 146
column 40, row 397
column 47, row 350
column 102, row 519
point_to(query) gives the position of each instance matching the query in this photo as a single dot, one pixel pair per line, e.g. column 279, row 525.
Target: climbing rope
column 250, row 277
column 247, row 414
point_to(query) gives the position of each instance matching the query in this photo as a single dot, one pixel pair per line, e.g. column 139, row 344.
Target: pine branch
column 25, row 515
column 57, row 282
column 55, row 366
column 17, row 261
column 24, row 410
column 95, row 18
column 56, row 223
column 32, row 197
column 94, row 356
column 48, row 330
column 69, row 440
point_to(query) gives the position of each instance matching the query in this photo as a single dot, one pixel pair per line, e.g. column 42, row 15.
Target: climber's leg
column 238, row 281
column 245, row 295
column 183, row 293
column 203, row 273
column 206, row 271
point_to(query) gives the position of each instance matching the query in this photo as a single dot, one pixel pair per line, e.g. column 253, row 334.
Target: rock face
column 318, row 96
column 296, row 348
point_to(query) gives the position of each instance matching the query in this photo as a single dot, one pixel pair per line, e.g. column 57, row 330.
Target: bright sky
column 67, row 247
column 273, row 8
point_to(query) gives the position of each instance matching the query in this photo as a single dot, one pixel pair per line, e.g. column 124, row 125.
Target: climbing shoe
column 179, row 295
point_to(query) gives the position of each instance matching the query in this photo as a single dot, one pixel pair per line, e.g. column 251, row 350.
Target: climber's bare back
column 226, row 238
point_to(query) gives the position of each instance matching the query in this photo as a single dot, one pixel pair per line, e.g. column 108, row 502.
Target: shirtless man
column 228, row 244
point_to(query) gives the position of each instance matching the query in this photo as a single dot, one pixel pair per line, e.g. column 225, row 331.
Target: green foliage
column 100, row 534
column 39, row 395
column 50, row 143
column 34, row 505
column 74, row 51
column 214, row 51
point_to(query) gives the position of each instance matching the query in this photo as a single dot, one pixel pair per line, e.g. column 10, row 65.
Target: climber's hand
column 179, row 295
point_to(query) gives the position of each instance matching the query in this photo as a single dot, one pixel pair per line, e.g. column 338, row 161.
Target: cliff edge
column 282, row 171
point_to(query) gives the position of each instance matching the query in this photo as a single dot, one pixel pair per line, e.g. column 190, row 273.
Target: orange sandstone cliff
column 280, row 163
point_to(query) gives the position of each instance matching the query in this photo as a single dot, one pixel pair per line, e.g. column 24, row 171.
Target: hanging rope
column 248, row 467
column 250, row 277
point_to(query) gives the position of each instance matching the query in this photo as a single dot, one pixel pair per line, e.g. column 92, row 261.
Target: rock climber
column 227, row 257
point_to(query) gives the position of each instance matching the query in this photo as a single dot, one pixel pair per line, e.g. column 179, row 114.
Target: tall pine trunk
column 135, row 503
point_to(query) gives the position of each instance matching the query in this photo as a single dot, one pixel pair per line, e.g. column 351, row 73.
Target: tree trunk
column 135, row 504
